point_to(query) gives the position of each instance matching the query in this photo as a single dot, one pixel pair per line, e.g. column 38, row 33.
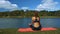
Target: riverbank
column 14, row 31
column 30, row 17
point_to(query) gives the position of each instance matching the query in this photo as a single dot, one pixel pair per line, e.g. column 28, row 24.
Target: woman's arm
column 32, row 20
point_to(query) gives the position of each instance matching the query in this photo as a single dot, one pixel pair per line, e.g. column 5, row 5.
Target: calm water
column 23, row 22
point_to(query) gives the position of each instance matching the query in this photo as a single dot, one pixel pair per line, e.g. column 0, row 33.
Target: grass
column 14, row 31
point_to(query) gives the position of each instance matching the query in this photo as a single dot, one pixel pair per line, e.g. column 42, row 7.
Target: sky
column 9, row 5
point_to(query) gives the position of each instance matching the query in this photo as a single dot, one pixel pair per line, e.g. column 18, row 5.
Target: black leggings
column 33, row 28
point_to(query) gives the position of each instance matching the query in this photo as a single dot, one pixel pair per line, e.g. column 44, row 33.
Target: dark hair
column 36, row 14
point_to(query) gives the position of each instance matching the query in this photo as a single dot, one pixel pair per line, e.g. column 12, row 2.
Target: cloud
column 47, row 5
column 8, row 5
column 24, row 8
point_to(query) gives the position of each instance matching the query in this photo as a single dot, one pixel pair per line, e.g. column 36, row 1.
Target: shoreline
column 30, row 17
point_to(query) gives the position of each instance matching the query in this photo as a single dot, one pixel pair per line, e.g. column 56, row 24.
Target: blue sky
column 8, row 5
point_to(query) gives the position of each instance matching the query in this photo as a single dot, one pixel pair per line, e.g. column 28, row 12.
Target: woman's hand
column 30, row 24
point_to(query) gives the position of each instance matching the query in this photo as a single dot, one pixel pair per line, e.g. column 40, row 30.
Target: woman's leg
column 32, row 27
column 39, row 28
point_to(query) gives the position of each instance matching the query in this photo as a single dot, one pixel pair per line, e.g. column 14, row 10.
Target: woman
column 35, row 22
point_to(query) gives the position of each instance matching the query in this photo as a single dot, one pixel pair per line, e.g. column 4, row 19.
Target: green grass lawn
column 14, row 31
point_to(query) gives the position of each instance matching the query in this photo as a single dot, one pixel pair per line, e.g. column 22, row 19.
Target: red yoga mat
column 30, row 30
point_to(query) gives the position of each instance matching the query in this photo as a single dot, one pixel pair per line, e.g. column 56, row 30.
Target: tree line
column 28, row 13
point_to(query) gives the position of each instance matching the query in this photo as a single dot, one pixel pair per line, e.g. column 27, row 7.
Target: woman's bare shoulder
column 33, row 17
